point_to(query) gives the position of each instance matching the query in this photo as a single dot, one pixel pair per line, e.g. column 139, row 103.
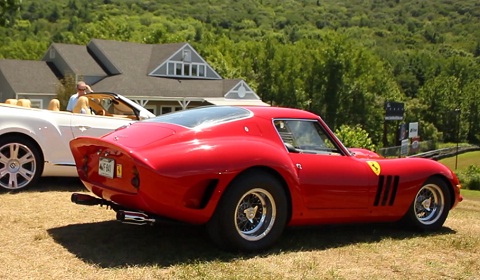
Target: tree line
column 339, row 60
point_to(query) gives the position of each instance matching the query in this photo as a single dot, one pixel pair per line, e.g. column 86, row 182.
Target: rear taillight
column 85, row 164
column 135, row 179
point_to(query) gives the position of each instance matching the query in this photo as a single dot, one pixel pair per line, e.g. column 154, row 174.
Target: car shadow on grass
column 112, row 244
column 48, row 184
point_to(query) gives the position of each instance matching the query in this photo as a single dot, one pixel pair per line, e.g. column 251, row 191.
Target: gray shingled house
column 160, row 77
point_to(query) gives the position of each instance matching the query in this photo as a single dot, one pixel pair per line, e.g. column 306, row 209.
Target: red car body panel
column 180, row 173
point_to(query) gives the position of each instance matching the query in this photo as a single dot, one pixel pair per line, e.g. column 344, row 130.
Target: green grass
column 48, row 237
column 45, row 236
column 450, row 145
column 471, row 194
column 467, row 170
column 464, row 160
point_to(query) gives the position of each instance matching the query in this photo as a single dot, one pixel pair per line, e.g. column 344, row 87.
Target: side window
column 305, row 136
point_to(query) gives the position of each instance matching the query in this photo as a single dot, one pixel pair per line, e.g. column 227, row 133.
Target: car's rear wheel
column 20, row 163
column 251, row 215
column 430, row 207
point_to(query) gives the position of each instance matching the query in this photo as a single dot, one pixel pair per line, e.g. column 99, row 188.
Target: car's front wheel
column 20, row 163
column 251, row 215
column 430, row 207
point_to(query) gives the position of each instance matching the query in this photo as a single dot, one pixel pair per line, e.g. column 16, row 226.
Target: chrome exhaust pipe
column 134, row 218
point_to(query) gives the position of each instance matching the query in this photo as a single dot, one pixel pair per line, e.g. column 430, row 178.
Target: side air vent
column 386, row 191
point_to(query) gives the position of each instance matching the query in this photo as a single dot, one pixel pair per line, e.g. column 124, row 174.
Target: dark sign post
column 393, row 112
column 457, row 113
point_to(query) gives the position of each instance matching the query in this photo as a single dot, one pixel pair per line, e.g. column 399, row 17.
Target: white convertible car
column 35, row 142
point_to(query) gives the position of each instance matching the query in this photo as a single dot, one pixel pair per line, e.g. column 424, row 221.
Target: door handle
column 83, row 128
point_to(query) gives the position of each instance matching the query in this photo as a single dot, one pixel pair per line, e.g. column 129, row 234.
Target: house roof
column 157, row 87
column 135, row 61
column 162, row 52
column 138, row 71
column 77, row 58
column 28, row 76
column 131, row 59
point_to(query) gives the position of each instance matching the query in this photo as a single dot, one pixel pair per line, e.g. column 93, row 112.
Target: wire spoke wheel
column 255, row 214
column 429, row 204
column 251, row 215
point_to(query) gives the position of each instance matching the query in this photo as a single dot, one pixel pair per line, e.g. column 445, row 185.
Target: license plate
column 106, row 167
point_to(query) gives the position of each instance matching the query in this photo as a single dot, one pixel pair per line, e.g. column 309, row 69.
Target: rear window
column 203, row 116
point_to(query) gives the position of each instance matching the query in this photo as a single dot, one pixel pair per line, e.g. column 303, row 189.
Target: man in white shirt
column 82, row 89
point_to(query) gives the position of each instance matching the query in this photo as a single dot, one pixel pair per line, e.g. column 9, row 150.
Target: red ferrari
column 248, row 172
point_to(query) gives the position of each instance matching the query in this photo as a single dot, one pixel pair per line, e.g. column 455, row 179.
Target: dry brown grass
column 45, row 236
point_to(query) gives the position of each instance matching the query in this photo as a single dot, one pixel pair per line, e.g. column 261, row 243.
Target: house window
column 35, row 103
column 194, row 70
column 186, row 70
column 178, row 69
column 171, row 69
column 152, row 109
column 52, row 53
column 169, row 109
column 187, row 56
column 165, row 110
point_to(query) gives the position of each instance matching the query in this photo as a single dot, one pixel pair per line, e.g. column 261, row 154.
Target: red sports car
column 248, row 172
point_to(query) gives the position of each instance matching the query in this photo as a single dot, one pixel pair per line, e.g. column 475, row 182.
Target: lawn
column 464, row 160
column 471, row 195
column 45, row 236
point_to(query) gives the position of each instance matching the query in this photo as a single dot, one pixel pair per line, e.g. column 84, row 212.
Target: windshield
column 110, row 105
column 203, row 116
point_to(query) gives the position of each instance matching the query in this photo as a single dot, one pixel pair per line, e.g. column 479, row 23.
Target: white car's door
column 93, row 125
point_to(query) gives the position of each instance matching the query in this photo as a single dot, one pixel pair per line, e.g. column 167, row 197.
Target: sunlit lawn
column 45, row 236
column 463, row 161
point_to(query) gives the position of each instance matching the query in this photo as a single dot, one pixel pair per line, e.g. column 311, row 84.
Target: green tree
column 65, row 88
column 354, row 137
column 8, row 11
column 266, row 75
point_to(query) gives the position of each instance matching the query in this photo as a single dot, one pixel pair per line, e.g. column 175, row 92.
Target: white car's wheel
column 20, row 163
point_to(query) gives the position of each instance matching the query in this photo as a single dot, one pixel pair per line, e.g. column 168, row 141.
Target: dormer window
column 185, row 63
column 186, row 70
column 193, row 70
column 178, row 69
column 201, row 70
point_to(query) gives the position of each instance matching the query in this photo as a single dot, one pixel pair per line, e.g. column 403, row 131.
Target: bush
column 470, row 178
column 355, row 137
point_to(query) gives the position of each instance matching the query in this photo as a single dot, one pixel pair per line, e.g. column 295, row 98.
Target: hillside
column 326, row 56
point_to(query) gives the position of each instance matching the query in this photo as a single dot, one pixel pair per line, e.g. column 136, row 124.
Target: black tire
column 251, row 215
column 21, row 163
column 430, row 207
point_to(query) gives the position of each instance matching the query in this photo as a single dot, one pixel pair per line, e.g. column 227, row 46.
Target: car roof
column 280, row 112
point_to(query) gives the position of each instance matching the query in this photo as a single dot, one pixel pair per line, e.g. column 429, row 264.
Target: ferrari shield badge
column 375, row 167
column 119, row 170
